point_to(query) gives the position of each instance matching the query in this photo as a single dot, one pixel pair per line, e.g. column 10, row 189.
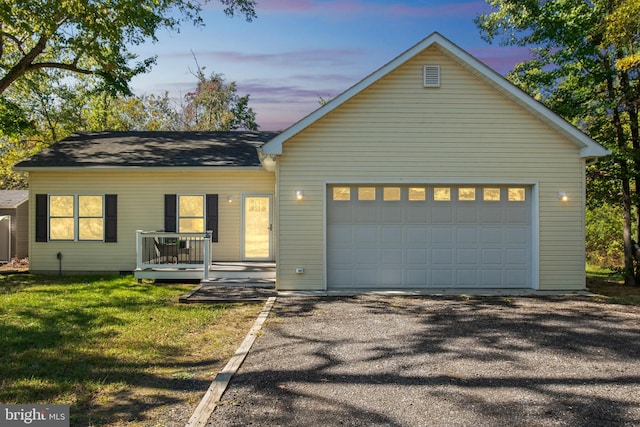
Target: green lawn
column 115, row 350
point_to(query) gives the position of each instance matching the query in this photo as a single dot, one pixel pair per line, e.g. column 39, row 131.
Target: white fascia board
column 589, row 147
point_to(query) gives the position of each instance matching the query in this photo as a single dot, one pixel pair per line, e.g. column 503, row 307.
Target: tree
column 90, row 37
column 56, row 54
column 584, row 67
column 135, row 113
column 215, row 106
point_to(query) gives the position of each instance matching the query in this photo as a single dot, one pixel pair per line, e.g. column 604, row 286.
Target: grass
column 610, row 284
column 117, row 351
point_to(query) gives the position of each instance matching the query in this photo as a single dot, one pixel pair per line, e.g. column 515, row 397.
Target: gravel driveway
column 402, row 361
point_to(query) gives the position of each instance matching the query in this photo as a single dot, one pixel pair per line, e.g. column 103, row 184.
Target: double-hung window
column 76, row 217
column 190, row 214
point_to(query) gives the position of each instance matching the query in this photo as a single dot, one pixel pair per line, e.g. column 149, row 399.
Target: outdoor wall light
column 299, row 194
column 229, row 199
column 562, row 196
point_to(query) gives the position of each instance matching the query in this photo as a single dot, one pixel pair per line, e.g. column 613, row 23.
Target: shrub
column 604, row 244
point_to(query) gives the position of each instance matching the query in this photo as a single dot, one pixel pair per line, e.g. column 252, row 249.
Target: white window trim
column 76, row 218
column 204, row 210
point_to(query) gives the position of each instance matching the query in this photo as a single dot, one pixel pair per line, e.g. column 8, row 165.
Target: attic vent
column 431, row 76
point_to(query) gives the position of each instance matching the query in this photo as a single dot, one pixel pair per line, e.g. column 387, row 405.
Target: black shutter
column 211, row 212
column 42, row 218
column 170, row 213
column 111, row 218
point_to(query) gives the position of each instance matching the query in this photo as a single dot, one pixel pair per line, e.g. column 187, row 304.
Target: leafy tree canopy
column 215, row 106
column 90, row 37
column 585, row 67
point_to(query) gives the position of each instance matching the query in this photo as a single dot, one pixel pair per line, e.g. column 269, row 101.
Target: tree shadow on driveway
column 373, row 360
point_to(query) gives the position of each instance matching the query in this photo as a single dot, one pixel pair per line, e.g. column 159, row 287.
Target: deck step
column 242, row 271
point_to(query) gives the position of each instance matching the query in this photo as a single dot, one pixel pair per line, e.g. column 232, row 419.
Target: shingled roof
column 10, row 199
column 152, row 149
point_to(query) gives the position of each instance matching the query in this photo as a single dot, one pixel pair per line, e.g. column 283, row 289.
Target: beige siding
column 464, row 131
column 141, row 207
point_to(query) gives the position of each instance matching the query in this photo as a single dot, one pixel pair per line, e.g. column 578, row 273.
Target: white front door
column 257, row 227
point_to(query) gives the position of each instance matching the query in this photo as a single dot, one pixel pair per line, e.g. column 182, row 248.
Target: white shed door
column 5, row 238
column 435, row 236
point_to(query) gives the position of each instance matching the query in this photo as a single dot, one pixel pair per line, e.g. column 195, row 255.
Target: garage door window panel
column 417, row 194
column 491, row 194
column 367, row 194
column 441, row 194
column 342, row 194
column 516, row 194
column 391, row 194
column 466, row 194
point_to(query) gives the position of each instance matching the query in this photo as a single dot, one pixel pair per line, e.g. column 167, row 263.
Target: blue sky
column 299, row 50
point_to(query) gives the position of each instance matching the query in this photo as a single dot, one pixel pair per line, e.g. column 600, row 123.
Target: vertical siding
column 464, row 131
column 140, row 207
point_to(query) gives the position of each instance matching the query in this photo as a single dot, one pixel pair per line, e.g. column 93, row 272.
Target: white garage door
column 428, row 236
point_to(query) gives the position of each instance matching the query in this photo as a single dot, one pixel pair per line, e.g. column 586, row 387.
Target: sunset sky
column 297, row 51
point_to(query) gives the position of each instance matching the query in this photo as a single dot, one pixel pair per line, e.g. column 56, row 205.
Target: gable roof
column 151, row 149
column 10, row 199
column 588, row 147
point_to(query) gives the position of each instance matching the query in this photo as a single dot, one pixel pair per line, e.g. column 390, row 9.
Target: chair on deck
column 170, row 251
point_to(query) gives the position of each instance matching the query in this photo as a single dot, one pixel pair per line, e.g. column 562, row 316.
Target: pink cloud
column 324, row 57
column 502, row 59
column 340, row 8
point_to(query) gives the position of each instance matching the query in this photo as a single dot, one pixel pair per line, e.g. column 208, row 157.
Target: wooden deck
column 219, row 272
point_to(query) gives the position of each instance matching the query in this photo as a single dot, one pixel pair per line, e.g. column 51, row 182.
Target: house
column 433, row 172
column 14, row 224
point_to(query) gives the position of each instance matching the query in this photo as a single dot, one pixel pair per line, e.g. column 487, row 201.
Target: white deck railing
column 161, row 250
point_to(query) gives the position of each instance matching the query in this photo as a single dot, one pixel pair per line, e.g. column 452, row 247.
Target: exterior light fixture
column 563, row 197
column 229, row 199
column 299, row 194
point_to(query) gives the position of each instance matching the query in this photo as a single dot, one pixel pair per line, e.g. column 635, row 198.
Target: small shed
column 14, row 224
